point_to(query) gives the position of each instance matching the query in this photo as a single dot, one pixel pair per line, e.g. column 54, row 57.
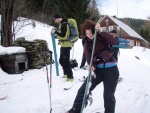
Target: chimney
column 114, row 16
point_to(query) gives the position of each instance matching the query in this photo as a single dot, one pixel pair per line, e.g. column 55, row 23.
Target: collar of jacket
column 64, row 20
column 88, row 40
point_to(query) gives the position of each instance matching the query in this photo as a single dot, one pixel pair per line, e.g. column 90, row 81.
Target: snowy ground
column 28, row 92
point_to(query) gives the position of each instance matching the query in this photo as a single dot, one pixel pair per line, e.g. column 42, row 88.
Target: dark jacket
column 63, row 28
column 63, row 33
column 100, row 52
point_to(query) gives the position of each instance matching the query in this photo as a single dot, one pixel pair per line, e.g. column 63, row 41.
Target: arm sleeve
column 120, row 40
column 109, row 38
column 88, row 55
column 63, row 30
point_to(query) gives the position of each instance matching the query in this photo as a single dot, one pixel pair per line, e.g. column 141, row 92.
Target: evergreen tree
column 75, row 9
column 145, row 31
column 94, row 12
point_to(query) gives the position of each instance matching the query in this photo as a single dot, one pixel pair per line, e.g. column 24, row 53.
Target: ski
column 80, row 80
column 77, row 68
column 69, row 87
column 89, row 77
column 2, row 98
column 55, row 53
column 11, row 82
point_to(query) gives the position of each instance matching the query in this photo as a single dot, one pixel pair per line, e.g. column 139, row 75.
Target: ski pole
column 51, row 62
column 45, row 51
column 90, row 71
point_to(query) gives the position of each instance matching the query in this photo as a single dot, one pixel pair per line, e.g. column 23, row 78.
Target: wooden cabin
column 109, row 23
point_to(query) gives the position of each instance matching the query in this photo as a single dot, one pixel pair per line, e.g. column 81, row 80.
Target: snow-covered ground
column 28, row 92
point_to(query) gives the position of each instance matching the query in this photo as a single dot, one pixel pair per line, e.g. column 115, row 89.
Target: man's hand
column 53, row 31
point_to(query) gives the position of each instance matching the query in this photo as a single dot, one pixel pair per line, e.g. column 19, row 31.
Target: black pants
column 109, row 77
column 64, row 61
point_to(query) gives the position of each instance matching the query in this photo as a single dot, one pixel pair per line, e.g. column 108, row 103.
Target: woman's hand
column 92, row 68
column 98, row 27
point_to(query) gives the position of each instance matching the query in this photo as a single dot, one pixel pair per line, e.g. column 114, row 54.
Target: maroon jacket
column 100, row 52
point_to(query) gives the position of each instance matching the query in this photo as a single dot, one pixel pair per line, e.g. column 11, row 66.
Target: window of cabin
column 103, row 29
column 118, row 28
column 110, row 28
column 131, row 42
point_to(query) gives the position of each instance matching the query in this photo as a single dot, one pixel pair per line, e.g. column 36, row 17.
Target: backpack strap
column 69, row 30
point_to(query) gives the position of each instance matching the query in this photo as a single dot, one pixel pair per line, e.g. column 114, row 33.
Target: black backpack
column 73, row 63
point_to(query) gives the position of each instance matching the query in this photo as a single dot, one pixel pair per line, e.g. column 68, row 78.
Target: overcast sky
column 139, row 9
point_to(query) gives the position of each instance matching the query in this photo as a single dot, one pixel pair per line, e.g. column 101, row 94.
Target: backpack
column 74, row 34
column 73, row 63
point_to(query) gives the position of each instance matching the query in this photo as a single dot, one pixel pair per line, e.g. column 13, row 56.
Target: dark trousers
column 109, row 77
column 64, row 61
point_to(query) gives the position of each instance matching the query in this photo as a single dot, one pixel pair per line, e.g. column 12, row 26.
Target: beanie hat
column 56, row 16
column 113, row 31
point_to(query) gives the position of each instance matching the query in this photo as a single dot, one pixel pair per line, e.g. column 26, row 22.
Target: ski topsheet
column 55, row 53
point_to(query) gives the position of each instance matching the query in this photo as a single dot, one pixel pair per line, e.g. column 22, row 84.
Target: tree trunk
column 7, row 10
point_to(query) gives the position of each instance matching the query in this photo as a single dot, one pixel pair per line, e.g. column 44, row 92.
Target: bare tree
column 11, row 10
column 7, row 11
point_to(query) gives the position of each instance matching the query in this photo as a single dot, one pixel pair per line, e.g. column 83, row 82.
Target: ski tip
column 2, row 98
column 21, row 79
column 66, row 89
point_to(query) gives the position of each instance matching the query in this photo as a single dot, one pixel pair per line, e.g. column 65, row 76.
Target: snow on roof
column 11, row 50
column 126, row 28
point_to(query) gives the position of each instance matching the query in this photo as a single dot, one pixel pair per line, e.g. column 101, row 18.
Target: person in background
column 62, row 35
column 122, row 43
column 104, row 66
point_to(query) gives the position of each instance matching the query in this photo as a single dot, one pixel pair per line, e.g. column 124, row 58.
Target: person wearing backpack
column 104, row 66
column 122, row 43
column 62, row 34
